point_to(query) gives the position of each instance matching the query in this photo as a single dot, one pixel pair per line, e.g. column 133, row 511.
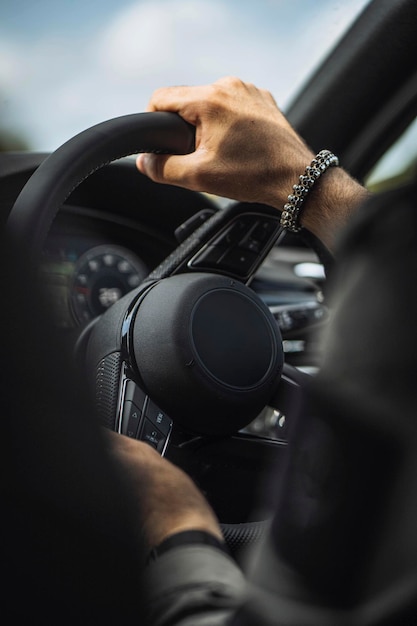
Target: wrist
column 160, row 530
column 329, row 203
column 188, row 537
column 332, row 203
column 293, row 208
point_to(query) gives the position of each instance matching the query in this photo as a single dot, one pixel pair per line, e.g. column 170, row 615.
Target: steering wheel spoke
column 232, row 242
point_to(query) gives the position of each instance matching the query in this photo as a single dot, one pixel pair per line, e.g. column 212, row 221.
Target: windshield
column 65, row 66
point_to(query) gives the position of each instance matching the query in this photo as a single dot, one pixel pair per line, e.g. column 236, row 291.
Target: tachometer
column 102, row 276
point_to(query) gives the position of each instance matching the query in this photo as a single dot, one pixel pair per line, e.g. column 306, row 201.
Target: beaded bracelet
column 290, row 216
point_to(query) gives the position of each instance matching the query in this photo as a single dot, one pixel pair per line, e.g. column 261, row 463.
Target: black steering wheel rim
column 55, row 179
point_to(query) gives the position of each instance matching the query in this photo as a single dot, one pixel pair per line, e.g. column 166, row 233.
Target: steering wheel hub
column 208, row 351
column 231, row 338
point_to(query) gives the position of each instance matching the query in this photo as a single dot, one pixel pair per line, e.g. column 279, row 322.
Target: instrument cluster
column 84, row 276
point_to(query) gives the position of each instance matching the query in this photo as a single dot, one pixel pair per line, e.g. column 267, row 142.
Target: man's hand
column 247, row 150
column 168, row 500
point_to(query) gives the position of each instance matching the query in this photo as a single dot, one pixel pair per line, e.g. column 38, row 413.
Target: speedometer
column 102, row 276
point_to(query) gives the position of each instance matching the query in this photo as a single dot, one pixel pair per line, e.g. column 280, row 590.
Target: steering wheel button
column 262, row 232
column 209, row 257
column 150, row 434
column 158, row 418
column 135, row 394
column 251, row 244
column 239, row 261
column 131, row 420
column 264, row 229
column 233, row 234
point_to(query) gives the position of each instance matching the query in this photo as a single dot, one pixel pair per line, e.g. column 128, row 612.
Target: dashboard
column 118, row 226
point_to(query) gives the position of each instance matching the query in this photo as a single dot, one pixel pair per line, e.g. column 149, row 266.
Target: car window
column 65, row 66
column 399, row 163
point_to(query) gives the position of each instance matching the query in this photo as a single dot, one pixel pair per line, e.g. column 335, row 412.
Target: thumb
column 152, row 165
column 166, row 168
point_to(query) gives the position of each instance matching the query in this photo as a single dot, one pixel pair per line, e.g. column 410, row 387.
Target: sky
column 68, row 64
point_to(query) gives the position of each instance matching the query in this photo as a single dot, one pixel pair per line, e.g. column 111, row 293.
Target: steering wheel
column 193, row 347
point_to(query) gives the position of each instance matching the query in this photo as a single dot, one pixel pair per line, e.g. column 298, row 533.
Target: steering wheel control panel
column 299, row 316
column 142, row 419
column 240, row 247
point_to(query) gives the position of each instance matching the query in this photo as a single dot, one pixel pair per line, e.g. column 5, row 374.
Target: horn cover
column 208, row 351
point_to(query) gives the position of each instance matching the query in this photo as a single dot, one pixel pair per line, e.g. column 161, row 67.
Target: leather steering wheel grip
column 54, row 180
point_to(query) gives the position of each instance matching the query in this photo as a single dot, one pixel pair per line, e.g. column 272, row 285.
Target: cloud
column 161, row 37
column 12, row 69
column 53, row 88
